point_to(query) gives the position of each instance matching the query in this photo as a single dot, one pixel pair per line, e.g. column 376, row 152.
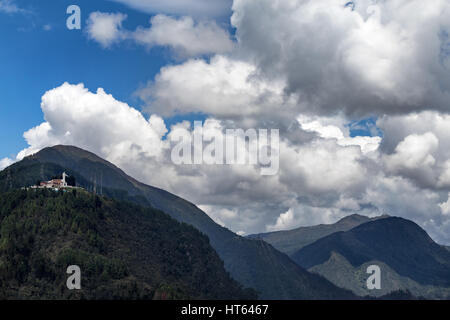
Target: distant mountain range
column 291, row 241
column 400, row 243
column 409, row 259
column 253, row 263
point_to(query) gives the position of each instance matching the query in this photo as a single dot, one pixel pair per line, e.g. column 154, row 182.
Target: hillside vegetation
column 124, row 251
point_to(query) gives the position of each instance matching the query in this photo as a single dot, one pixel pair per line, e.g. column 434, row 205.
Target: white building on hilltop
column 55, row 183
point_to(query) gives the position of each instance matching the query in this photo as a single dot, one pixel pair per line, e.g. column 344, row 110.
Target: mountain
column 291, row 241
column 408, row 257
column 253, row 263
column 124, row 251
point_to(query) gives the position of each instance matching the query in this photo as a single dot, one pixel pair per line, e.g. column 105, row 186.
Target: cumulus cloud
column 367, row 144
column 381, row 57
column 9, row 6
column 317, row 58
column 74, row 115
column 196, row 8
column 105, row 28
column 414, row 156
column 220, row 215
column 416, row 147
column 224, row 88
column 5, row 162
column 285, row 221
column 445, row 206
column 183, row 35
column 399, row 196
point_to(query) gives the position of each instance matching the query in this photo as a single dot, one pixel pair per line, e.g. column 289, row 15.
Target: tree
column 71, row 181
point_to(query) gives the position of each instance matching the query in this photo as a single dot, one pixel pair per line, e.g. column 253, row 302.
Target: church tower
column 64, row 183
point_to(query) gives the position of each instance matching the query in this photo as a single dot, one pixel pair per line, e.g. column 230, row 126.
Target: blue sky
column 34, row 60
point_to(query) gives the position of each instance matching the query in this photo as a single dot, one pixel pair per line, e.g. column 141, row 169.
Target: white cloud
column 285, row 221
column 383, row 57
column 9, row 6
column 183, row 35
column 415, row 151
column 400, row 196
column 196, row 8
column 74, row 115
column 444, row 177
column 416, row 146
column 105, row 28
column 414, row 157
column 221, row 216
column 367, row 144
column 5, row 162
column 445, row 206
column 322, row 166
column 223, row 88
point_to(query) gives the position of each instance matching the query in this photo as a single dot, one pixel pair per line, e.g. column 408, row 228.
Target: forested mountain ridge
column 124, row 251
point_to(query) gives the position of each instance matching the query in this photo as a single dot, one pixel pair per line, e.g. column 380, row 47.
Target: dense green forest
column 125, row 251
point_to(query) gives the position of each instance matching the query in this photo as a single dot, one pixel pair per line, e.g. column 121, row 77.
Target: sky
column 359, row 93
